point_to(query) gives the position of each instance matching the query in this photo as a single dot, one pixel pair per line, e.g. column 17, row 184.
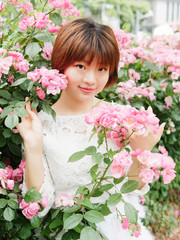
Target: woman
column 87, row 53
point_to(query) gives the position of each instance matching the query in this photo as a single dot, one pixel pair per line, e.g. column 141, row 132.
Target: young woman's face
column 85, row 81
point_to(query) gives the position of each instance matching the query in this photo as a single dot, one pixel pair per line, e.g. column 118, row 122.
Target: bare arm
column 30, row 130
column 144, row 143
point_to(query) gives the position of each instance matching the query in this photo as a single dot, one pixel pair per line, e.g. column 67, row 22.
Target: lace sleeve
column 47, row 188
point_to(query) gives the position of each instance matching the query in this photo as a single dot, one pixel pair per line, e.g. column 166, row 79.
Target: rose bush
column 149, row 75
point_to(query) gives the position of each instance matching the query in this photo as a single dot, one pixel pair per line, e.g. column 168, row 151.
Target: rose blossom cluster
column 118, row 119
column 14, row 59
column 155, row 164
column 8, row 176
column 134, row 229
column 64, row 200
column 32, row 208
column 121, row 161
column 129, row 89
column 162, row 50
column 51, row 79
column 67, row 8
column 37, row 19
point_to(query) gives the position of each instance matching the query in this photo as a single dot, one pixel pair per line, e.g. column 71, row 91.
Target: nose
column 89, row 77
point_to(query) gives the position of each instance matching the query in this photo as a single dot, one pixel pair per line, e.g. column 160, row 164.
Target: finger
column 142, row 108
column 149, row 109
column 31, row 114
column 161, row 129
column 34, row 110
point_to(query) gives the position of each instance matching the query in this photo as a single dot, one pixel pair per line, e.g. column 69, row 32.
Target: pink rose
column 125, row 223
column 147, row 175
column 107, row 120
column 122, row 159
column 31, row 210
column 17, row 174
column 23, row 204
column 168, row 175
column 10, row 184
column 1, row 110
column 40, row 93
column 23, row 66
column 137, row 233
column 44, row 201
column 117, row 171
column 64, row 200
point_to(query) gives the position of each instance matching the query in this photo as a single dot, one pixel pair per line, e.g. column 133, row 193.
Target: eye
column 80, row 66
column 102, row 69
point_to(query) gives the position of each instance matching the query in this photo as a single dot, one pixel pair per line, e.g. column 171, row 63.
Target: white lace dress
column 62, row 138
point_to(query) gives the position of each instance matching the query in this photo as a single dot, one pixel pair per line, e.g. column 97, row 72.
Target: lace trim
column 74, row 124
column 47, row 188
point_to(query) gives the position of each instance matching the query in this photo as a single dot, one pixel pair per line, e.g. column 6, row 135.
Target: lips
column 86, row 90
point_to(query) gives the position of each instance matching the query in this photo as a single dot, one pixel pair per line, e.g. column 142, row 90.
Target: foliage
column 124, row 10
column 162, row 217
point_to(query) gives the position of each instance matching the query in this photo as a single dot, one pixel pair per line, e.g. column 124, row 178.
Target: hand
column 149, row 141
column 30, row 127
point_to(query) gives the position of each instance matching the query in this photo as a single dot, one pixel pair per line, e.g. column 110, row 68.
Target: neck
column 67, row 106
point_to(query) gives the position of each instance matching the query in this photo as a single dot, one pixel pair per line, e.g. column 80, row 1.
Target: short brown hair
column 83, row 38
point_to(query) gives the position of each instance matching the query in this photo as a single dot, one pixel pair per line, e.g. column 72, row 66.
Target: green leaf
column 13, row 204
column 118, row 180
column 131, row 213
column 15, row 149
column 7, row 133
column 11, row 121
column 35, row 221
column 20, row 104
column 16, row 138
column 73, row 221
column 21, row 112
column 70, row 235
column 4, row 191
column 56, row 19
column 32, row 49
column 35, row 103
column 129, row 186
column 97, row 157
column 90, row 150
column 11, row 9
column 5, row 94
column 25, row 232
column 32, row 195
column 12, row 196
column 56, row 222
column 27, row 85
column 114, row 199
column 103, row 208
column 18, row 95
column 44, row 36
column 72, row 209
column 3, row 203
column 8, row 214
column 105, row 187
column 76, row 156
column 46, row 108
column 2, row 141
column 88, row 233
column 149, row 65
column 19, row 81
column 3, row 101
column 86, row 203
column 2, row 165
column 94, row 216
column 6, row 111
